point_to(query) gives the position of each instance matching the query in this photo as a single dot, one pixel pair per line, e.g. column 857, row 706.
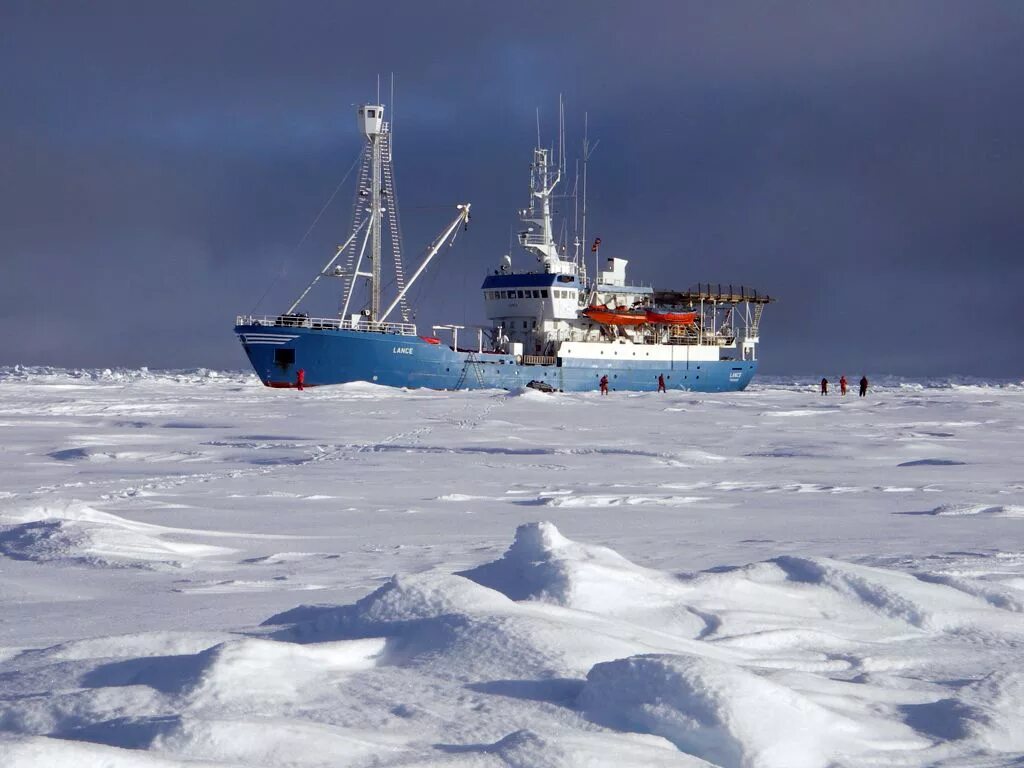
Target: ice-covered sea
column 198, row 571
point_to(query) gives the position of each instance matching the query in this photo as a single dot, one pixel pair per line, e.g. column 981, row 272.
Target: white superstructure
column 544, row 311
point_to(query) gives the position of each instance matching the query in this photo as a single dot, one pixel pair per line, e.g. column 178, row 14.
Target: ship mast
column 372, row 132
column 375, row 199
column 538, row 237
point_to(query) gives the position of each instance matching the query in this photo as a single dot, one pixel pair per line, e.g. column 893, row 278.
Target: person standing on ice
column 300, row 378
column 824, row 385
column 863, row 386
column 661, row 382
column 842, row 385
column 604, row 384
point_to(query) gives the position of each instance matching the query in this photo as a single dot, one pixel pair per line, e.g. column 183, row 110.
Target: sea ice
column 198, row 570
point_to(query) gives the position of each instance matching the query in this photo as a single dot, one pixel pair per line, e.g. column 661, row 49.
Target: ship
column 551, row 325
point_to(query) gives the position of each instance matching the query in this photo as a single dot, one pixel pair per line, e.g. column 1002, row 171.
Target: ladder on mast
column 394, row 230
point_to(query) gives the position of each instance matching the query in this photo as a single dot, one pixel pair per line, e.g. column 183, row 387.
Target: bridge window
column 543, row 294
column 520, row 294
column 536, row 294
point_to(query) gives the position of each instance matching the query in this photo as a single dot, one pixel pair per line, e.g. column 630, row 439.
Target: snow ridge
column 530, row 630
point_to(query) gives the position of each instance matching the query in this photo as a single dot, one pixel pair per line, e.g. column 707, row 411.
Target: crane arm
column 462, row 218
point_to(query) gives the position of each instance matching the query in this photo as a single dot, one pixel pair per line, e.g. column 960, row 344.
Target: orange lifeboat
column 670, row 318
column 618, row 316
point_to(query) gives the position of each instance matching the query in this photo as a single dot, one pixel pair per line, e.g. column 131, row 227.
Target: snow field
column 251, row 577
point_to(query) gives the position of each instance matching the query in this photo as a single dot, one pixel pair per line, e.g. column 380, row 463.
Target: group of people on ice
column 603, row 383
column 843, row 385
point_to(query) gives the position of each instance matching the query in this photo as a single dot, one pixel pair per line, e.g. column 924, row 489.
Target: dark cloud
column 159, row 163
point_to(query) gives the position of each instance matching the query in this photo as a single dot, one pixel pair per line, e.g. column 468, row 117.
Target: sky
column 863, row 162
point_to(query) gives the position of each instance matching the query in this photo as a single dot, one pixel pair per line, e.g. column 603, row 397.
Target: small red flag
column 597, row 242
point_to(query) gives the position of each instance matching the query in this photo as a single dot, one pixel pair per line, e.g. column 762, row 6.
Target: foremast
column 375, row 198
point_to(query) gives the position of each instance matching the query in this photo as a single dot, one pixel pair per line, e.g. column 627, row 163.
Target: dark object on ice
column 300, row 378
column 863, row 386
column 842, row 385
column 661, row 382
column 604, row 384
column 543, row 386
column 932, row 463
column 824, row 385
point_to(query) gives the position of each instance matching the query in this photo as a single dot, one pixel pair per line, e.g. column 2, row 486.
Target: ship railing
column 326, row 324
column 531, row 239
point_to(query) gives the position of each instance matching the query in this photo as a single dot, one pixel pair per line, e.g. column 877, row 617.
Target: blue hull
column 332, row 356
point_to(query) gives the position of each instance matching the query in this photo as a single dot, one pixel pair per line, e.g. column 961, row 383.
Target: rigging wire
column 291, row 255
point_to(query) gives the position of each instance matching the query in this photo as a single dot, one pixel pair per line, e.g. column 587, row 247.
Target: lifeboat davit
column 670, row 318
column 617, row 316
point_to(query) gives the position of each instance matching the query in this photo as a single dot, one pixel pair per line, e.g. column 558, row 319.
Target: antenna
column 561, row 134
column 587, row 152
column 576, row 211
column 586, row 155
column 538, row 126
column 378, row 87
column 391, row 102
